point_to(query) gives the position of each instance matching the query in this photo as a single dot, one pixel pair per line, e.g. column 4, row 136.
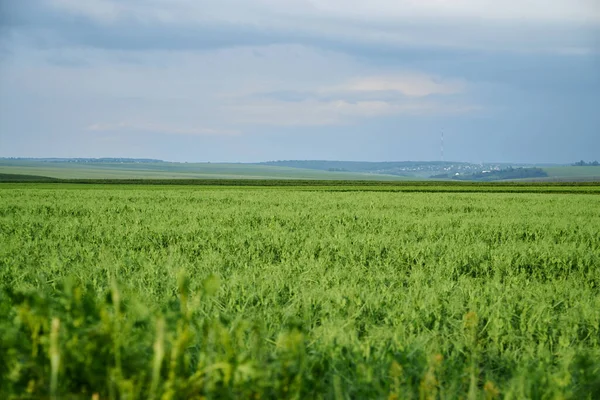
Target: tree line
column 586, row 164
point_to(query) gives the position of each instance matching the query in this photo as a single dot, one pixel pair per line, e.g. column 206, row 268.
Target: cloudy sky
column 257, row 80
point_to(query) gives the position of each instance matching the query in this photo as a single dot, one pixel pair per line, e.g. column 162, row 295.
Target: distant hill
column 359, row 165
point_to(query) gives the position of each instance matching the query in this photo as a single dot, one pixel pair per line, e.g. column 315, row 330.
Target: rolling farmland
column 342, row 291
column 167, row 170
column 113, row 169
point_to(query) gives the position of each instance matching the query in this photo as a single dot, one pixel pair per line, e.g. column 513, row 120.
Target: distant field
column 566, row 174
column 574, row 172
column 166, row 170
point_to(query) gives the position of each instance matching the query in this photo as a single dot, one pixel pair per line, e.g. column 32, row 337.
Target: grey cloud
column 288, row 95
column 51, row 26
column 48, row 27
column 284, row 78
column 67, row 61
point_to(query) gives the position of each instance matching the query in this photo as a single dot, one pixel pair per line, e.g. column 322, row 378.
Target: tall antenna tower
column 442, row 147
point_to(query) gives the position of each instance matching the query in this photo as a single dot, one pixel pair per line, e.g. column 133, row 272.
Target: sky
column 258, row 80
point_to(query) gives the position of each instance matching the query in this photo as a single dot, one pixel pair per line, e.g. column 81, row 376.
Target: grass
column 332, row 292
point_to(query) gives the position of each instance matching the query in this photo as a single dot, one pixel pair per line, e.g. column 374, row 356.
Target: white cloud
column 256, row 10
column 409, row 84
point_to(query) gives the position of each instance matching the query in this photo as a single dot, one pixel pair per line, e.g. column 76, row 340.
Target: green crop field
column 356, row 292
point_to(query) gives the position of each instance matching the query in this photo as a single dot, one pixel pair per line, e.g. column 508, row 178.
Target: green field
column 334, row 292
column 167, row 170
column 591, row 173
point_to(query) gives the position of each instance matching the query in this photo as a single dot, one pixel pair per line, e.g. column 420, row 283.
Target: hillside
column 166, row 170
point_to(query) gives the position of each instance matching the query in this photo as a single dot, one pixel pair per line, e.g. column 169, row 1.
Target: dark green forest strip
column 24, row 178
column 328, row 185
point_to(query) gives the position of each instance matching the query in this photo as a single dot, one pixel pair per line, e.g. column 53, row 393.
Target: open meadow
column 341, row 292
